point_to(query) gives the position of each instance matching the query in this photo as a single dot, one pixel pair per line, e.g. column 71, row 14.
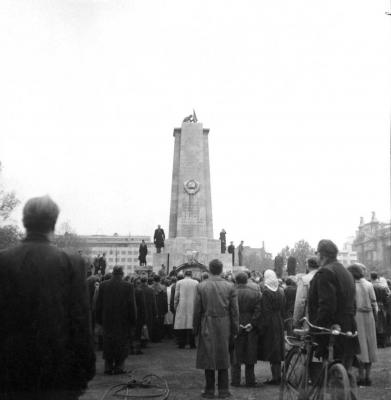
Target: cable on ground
column 149, row 381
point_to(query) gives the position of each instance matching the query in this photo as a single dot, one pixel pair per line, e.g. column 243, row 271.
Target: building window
column 129, row 259
column 123, row 259
column 111, row 259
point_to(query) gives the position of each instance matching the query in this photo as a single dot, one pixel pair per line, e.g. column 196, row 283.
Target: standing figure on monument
column 223, row 241
column 231, row 250
column 240, row 253
column 159, row 238
column 142, row 253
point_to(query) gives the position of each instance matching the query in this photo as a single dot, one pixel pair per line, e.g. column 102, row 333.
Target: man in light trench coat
column 184, row 307
column 216, row 322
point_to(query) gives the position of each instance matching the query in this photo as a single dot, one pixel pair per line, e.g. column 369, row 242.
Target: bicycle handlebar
column 334, row 332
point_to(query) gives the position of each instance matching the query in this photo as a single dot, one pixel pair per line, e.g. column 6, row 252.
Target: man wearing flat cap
column 331, row 301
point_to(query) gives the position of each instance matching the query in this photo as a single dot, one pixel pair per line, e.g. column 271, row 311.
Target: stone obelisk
column 191, row 200
column 191, row 224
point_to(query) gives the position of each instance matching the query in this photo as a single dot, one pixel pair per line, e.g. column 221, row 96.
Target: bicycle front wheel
column 338, row 385
column 293, row 374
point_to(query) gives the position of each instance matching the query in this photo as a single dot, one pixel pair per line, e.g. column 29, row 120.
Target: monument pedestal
column 179, row 250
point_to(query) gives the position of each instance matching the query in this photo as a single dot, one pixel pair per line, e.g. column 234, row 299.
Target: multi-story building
column 347, row 256
column 373, row 245
column 122, row 251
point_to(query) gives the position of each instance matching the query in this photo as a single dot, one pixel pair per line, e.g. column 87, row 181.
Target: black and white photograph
column 195, row 200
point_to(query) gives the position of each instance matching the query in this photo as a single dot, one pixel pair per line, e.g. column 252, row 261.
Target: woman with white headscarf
column 271, row 326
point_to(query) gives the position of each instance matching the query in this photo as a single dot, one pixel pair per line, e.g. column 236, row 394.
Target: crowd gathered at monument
column 58, row 311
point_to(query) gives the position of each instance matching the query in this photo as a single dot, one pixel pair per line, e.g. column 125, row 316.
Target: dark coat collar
column 36, row 237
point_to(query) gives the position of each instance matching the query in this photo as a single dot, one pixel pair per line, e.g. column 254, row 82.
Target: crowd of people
column 54, row 318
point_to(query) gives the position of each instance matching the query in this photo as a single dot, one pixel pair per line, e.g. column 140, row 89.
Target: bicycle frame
column 320, row 383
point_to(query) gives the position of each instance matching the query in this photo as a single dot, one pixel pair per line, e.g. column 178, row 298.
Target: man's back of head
column 40, row 214
column 216, row 267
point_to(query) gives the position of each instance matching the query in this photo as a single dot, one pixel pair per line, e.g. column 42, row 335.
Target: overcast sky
column 296, row 95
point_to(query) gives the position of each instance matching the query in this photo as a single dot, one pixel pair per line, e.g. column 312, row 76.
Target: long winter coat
column 216, row 321
column 184, row 303
column 141, row 311
column 271, row 326
column 381, row 294
column 162, row 307
column 159, row 237
column 150, row 306
column 331, row 300
column 116, row 312
column 246, row 344
column 142, row 253
column 45, row 337
column 366, row 329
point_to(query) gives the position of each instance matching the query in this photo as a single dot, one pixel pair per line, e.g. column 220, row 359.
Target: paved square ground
column 186, row 382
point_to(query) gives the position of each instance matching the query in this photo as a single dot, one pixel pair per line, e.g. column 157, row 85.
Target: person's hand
column 248, row 328
column 335, row 328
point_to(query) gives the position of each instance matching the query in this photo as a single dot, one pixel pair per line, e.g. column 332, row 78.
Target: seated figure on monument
column 158, row 238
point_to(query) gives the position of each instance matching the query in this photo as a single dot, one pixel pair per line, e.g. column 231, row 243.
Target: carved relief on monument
column 191, row 186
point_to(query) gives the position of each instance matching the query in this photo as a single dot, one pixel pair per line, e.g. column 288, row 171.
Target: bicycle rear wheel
column 338, row 385
column 293, row 374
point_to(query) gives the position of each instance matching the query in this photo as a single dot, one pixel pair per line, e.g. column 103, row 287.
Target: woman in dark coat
column 246, row 343
column 271, row 326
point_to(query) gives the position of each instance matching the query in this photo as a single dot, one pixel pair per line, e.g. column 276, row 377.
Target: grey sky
column 296, row 96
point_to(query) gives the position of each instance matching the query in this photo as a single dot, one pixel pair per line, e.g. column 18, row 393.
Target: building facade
column 122, row 251
column 347, row 256
column 373, row 245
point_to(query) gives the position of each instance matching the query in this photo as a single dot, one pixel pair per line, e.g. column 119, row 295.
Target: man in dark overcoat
column 158, row 238
column 46, row 347
column 160, row 292
column 150, row 307
column 116, row 312
column 245, row 345
column 141, row 311
column 331, row 302
column 216, row 322
column 103, row 263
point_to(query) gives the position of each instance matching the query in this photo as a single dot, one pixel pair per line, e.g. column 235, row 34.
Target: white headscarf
column 271, row 280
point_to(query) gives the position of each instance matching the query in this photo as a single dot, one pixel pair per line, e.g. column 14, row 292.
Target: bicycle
column 304, row 379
